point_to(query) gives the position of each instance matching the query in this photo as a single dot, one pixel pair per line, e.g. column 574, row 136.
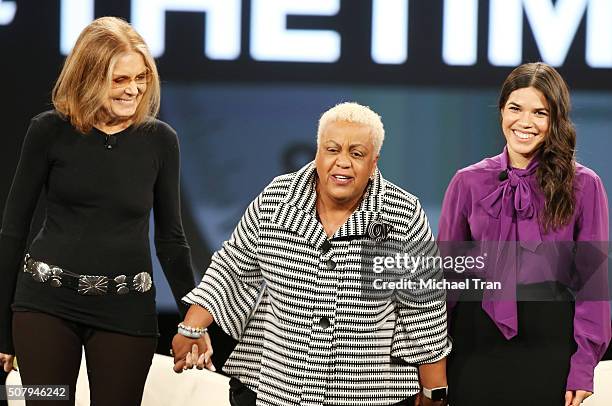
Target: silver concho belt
column 89, row 285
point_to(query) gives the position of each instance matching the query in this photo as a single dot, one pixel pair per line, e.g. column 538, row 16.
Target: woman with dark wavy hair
column 542, row 219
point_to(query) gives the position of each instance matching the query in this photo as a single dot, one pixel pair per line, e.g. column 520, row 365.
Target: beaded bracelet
column 191, row 332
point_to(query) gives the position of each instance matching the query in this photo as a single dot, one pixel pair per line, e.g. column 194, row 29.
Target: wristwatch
column 436, row 393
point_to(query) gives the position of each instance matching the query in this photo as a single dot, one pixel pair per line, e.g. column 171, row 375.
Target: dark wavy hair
column 557, row 165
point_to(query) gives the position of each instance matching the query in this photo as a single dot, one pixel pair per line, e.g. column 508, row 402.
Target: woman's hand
column 189, row 352
column 576, row 397
column 6, row 360
column 200, row 361
column 422, row 400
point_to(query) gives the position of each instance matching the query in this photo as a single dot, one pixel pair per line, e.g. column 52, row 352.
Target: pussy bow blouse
column 491, row 201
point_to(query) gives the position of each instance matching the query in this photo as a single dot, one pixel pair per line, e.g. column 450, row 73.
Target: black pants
column 49, row 350
column 531, row 369
column 241, row 395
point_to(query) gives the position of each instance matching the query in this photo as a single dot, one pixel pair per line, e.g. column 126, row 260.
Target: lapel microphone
column 110, row 142
column 503, row 175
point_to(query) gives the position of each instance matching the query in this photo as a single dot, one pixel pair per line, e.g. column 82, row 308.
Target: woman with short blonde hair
column 290, row 285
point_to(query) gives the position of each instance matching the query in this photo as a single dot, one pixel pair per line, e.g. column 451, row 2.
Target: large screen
column 437, row 42
column 245, row 81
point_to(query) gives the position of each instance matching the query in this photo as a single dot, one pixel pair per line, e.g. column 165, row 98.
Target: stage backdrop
column 245, row 81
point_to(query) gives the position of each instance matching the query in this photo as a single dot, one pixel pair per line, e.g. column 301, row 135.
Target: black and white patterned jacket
column 291, row 296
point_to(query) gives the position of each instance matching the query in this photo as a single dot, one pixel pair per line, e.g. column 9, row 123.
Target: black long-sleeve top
column 96, row 222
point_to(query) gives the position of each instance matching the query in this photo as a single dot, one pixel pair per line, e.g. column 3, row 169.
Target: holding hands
column 190, row 351
column 191, row 345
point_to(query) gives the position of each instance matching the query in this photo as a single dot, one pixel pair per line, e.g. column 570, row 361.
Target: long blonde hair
column 82, row 86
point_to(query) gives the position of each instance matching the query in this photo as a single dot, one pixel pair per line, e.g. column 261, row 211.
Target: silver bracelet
column 191, row 332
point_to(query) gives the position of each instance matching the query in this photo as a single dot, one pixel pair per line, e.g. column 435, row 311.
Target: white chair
column 603, row 386
column 166, row 388
column 163, row 386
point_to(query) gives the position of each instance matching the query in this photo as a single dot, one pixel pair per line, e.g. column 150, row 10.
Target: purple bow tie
column 510, row 202
column 513, row 198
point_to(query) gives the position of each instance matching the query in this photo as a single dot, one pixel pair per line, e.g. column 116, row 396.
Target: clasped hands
column 190, row 352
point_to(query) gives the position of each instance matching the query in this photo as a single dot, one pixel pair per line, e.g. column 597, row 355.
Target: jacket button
column 326, row 246
column 324, row 322
column 331, row 264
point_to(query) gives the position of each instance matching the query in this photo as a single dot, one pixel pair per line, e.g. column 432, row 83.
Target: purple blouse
column 481, row 205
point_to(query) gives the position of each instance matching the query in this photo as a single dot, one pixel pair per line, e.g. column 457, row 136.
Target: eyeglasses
column 122, row 82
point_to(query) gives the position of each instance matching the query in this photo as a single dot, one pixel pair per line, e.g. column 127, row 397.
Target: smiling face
column 525, row 123
column 129, row 82
column 345, row 160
